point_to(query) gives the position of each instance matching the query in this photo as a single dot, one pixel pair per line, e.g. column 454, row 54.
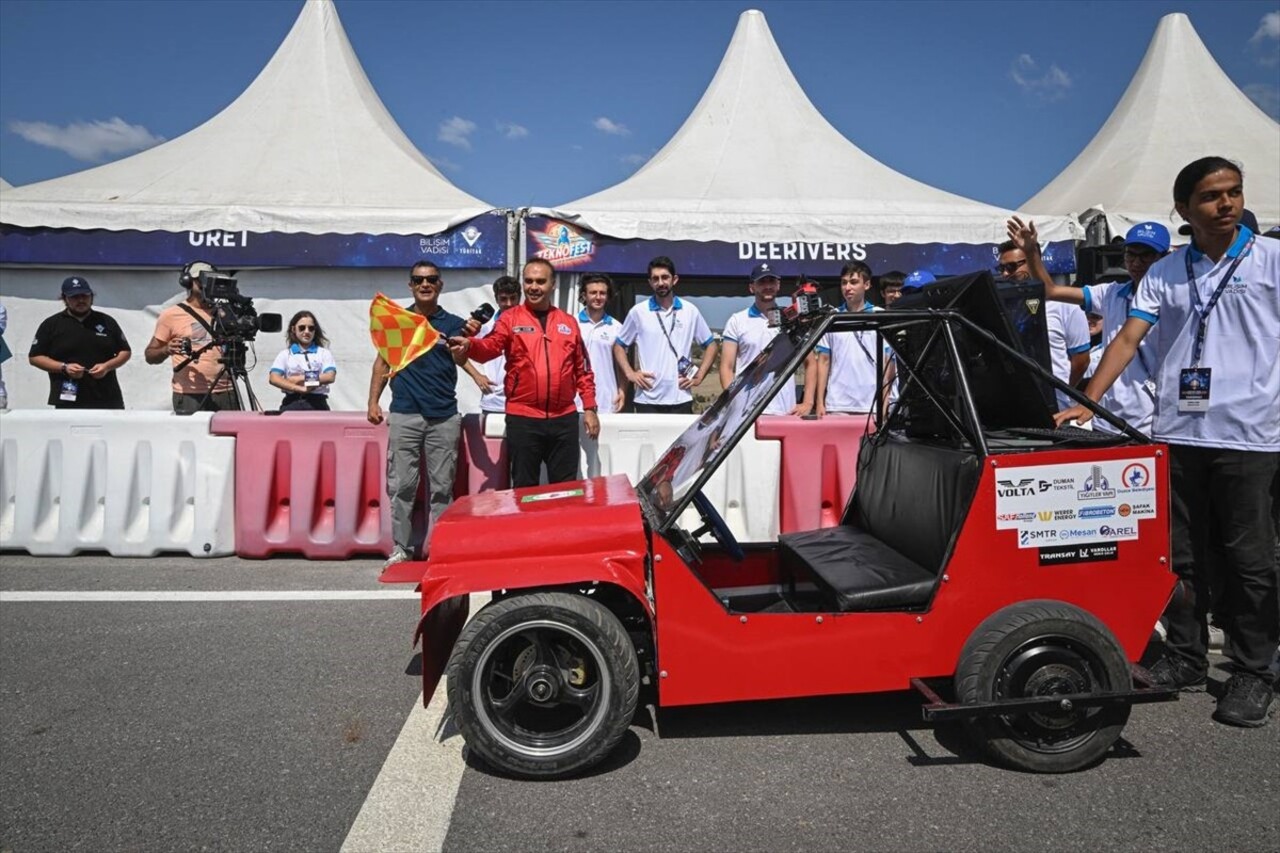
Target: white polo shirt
column 662, row 338
column 294, row 362
column 750, row 331
column 1132, row 397
column 1241, row 346
column 851, row 378
column 495, row 370
column 599, row 338
column 1068, row 335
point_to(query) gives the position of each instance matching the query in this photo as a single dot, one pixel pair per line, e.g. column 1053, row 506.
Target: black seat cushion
column 856, row 569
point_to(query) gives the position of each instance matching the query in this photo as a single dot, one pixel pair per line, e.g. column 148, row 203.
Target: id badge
column 1193, row 389
column 685, row 367
column 70, row 388
column 311, row 378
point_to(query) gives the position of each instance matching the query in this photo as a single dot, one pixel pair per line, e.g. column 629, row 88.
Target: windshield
column 703, row 446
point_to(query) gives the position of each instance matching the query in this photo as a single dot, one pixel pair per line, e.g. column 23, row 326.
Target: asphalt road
column 262, row 725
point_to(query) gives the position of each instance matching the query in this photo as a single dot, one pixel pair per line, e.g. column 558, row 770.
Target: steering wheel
column 712, row 522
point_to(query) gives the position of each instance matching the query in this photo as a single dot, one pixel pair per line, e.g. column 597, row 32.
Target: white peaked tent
column 757, row 161
column 5, row 185
column 308, row 147
column 1179, row 107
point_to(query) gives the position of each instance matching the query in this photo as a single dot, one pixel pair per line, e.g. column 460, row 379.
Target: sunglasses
column 1011, row 267
column 302, row 328
column 425, row 279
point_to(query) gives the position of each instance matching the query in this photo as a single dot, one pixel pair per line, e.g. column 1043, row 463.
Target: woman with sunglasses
column 305, row 369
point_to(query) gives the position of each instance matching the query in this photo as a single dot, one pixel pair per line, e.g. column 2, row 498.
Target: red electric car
column 984, row 556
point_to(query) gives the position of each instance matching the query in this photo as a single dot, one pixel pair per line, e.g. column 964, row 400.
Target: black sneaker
column 1176, row 674
column 1246, row 701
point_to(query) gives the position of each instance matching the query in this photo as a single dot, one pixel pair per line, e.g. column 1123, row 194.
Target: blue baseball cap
column 76, row 286
column 918, row 279
column 763, row 271
column 1153, row 235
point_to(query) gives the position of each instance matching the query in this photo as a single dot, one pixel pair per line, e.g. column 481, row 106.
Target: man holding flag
column 424, row 418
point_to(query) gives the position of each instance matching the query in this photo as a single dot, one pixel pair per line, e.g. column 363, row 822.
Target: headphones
column 186, row 278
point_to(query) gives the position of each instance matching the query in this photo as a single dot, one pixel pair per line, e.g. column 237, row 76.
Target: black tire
column 543, row 685
column 1044, row 648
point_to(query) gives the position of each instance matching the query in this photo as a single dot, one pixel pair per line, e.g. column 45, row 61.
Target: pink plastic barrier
column 482, row 462
column 311, row 483
column 819, row 467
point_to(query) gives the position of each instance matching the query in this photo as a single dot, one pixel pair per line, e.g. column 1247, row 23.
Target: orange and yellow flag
column 400, row 335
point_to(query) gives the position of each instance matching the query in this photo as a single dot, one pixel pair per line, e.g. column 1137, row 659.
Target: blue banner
column 572, row 249
column 480, row 243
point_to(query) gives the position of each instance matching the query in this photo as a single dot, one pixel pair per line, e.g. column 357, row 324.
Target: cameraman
column 182, row 331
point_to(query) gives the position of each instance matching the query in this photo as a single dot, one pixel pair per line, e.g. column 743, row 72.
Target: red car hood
column 537, row 525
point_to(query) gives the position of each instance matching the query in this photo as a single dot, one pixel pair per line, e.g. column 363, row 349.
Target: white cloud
column 511, row 130
column 634, row 159
column 456, row 131
column 444, row 164
column 1266, row 41
column 91, row 141
column 611, row 127
column 1049, row 85
column 1266, row 96
column 1268, row 28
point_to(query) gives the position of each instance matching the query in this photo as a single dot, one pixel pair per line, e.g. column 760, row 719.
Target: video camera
column 234, row 317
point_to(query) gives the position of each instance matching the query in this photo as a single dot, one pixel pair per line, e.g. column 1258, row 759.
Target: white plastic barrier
column 133, row 484
column 745, row 489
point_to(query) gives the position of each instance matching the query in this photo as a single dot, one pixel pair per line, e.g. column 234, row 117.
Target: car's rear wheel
column 544, row 684
column 1036, row 649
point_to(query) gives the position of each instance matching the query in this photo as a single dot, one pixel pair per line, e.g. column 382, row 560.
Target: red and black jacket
column 546, row 368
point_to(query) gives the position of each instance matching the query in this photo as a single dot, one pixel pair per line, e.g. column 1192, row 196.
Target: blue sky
column 543, row 102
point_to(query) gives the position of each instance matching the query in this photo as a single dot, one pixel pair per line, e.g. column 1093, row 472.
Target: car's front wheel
column 544, row 684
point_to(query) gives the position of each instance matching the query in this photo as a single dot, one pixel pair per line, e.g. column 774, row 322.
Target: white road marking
column 15, row 597
column 411, row 802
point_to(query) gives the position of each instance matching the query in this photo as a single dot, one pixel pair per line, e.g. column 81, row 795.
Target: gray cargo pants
column 412, row 439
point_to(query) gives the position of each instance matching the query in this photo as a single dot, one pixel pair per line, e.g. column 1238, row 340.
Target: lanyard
column 667, row 334
column 1198, row 349
column 857, row 336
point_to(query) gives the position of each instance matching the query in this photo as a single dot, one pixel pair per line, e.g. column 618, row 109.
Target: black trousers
column 664, row 408
column 305, row 403
column 534, row 441
column 1231, row 488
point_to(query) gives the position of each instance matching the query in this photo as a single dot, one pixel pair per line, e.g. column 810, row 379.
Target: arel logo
column 1012, row 489
column 1096, row 487
column 1136, row 476
column 471, row 234
column 1117, row 532
column 1097, row 512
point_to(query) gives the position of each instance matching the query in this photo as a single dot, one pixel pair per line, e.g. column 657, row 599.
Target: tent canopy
column 1179, row 107
column 307, row 148
column 757, row 161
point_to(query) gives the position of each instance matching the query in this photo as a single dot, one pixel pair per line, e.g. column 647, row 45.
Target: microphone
column 478, row 318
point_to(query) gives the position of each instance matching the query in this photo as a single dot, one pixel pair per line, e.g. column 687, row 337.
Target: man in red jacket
column 547, row 367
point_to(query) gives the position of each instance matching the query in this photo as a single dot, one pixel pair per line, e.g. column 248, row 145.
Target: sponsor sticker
column 1092, row 553
column 551, row 496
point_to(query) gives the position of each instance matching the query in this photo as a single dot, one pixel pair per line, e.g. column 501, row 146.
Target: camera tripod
column 233, row 369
